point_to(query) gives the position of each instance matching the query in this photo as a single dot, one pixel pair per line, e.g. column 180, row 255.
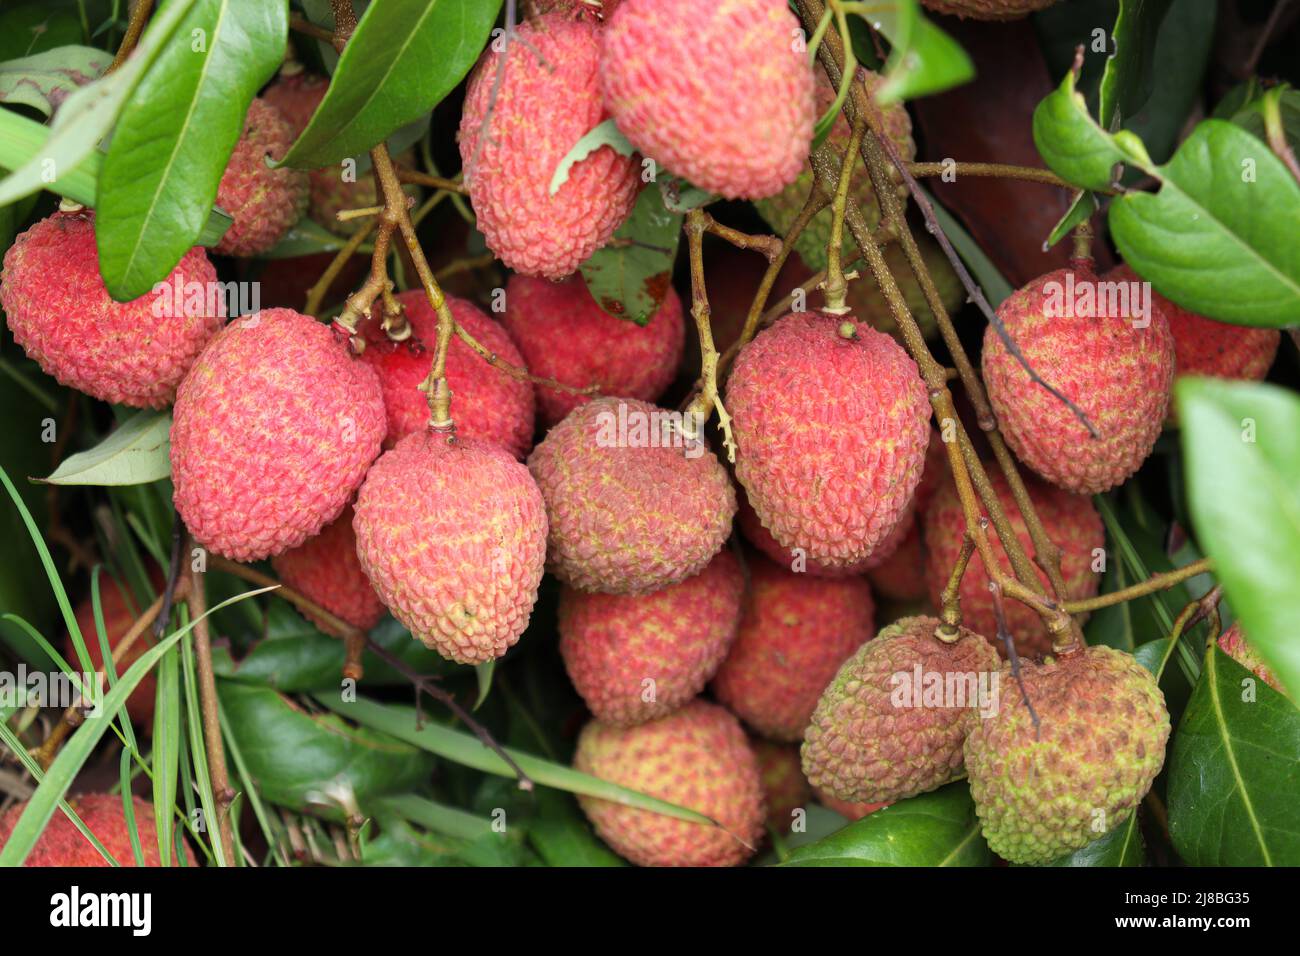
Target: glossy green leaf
column 1070, row 141
column 43, row 81
column 134, row 453
column 630, row 276
column 1081, row 210
column 930, row 61
column 1235, row 771
column 934, row 829
column 603, row 134
column 404, row 57
column 1243, row 477
column 563, row 837
column 1127, row 80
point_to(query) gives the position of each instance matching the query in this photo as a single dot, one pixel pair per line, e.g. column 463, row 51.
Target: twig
column 709, row 399
column 306, row 27
column 1261, row 42
column 1004, row 635
column 1028, row 174
column 407, row 175
column 769, row 246
column 1157, row 582
column 135, row 26
column 334, row 625
column 836, row 286
column 950, row 605
column 316, row 295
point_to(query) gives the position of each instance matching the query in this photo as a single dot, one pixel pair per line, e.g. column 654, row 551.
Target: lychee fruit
column 784, row 788
column 782, row 209
column 1205, row 347
column 134, row 353
column 830, row 419
column 845, row 808
column 633, row 505
column 452, row 534
column 263, row 201
column 1116, row 368
column 988, row 9
column 296, row 93
column 891, row 723
column 742, row 127
column 751, row 526
column 566, row 336
column 513, row 137
column 120, row 611
column 325, row 569
column 795, row 633
column 868, row 302
column 487, row 403
column 901, row 576
column 273, row 430
column 697, row 758
column 62, row 844
column 1050, row 781
column 1233, row 643
column 637, row 657
column 1070, row 521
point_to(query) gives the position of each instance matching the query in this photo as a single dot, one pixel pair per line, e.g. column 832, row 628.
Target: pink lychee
column 264, row 201
column 326, row 570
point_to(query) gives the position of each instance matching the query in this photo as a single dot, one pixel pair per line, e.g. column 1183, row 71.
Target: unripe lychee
column 566, row 336
column 785, row 789
column 487, row 403
column 133, row 352
column 1233, row 643
column 831, row 434
column 62, row 844
column 547, row 100
column 325, row 569
column 633, row 506
column 273, row 430
column 697, row 758
column 120, row 611
column 988, row 9
column 264, row 201
column 452, row 534
column 637, row 657
column 741, row 127
column 1116, row 368
column 795, row 632
column 1070, row 521
column 1049, row 782
column 1205, row 347
column 892, row 722
column 846, row 808
column 869, row 303
column 782, row 209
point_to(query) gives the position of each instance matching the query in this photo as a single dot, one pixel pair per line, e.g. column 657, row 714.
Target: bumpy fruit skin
column 1070, row 521
column 867, row 743
column 697, row 758
column 782, row 209
column 296, row 94
column 845, row 808
column 631, row 508
column 988, row 9
column 1102, row 729
column 831, row 434
column 62, row 844
column 487, row 403
column 121, row 611
column 743, row 127
column 1205, row 347
column 612, row 644
column 784, row 788
column 795, row 632
column 566, row 336
column 60, row 313
column 751, row 526
column 452, row 534
column 326, row 570
column 1233, row 643
column 901, row 576
column 263, row 201
column 273, row 430
column 548, row 100
column 1118, row 374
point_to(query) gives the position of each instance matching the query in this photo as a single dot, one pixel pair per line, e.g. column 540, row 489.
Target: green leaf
column 1070, row 141
column 88, row 114
column 1243, row 477
column 603, row 134
column 35, row 28
column 1081, row 210
column 1127, row 80
column 1212, row 241
column 1235, row 771
column 405, row 56
column 166, row 749
column 928, row 61
column 1251, row 115
column 562, row 836
column 437, row 817
column 134, row 453
column 1122, row 846
column 934, row 829
column 175, row 136
column 629, row 278
column 43, row 81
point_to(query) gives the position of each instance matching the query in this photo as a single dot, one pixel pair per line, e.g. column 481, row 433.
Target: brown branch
column 950, row 599
column 769, row 246
column 1028, row 174
column 708, row 399
column 333, row 625
column 306, row 27
column 1157, row 582
column 134, row 27
column 407, row 175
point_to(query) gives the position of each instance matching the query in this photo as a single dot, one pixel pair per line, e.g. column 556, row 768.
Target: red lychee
column 121, row 611
column 62, row 844
column 326, row 570
column 487, row 403
column 831, row 433
column 785, row 789
column 740, row 128
column 846, row 808
column 795, row 632
column 1112, row 363
column 452, row 534
column 273, row 430
column 901, row 576
column 566, row 336
column 637, row 657
column 546, row 101
column 1233, row 643
column 633, row 505
column 1070, row 521
column 988, row 9
column 133, row 352
column 264, row 201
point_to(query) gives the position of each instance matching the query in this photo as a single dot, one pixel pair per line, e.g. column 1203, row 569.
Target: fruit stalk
column 836, row 286
column 139, row 17
column 1028, row 174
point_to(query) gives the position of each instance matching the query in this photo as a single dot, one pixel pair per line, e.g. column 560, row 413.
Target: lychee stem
column 950, row 599
column 134, row 27
column 699, row 410
column 836, row 288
